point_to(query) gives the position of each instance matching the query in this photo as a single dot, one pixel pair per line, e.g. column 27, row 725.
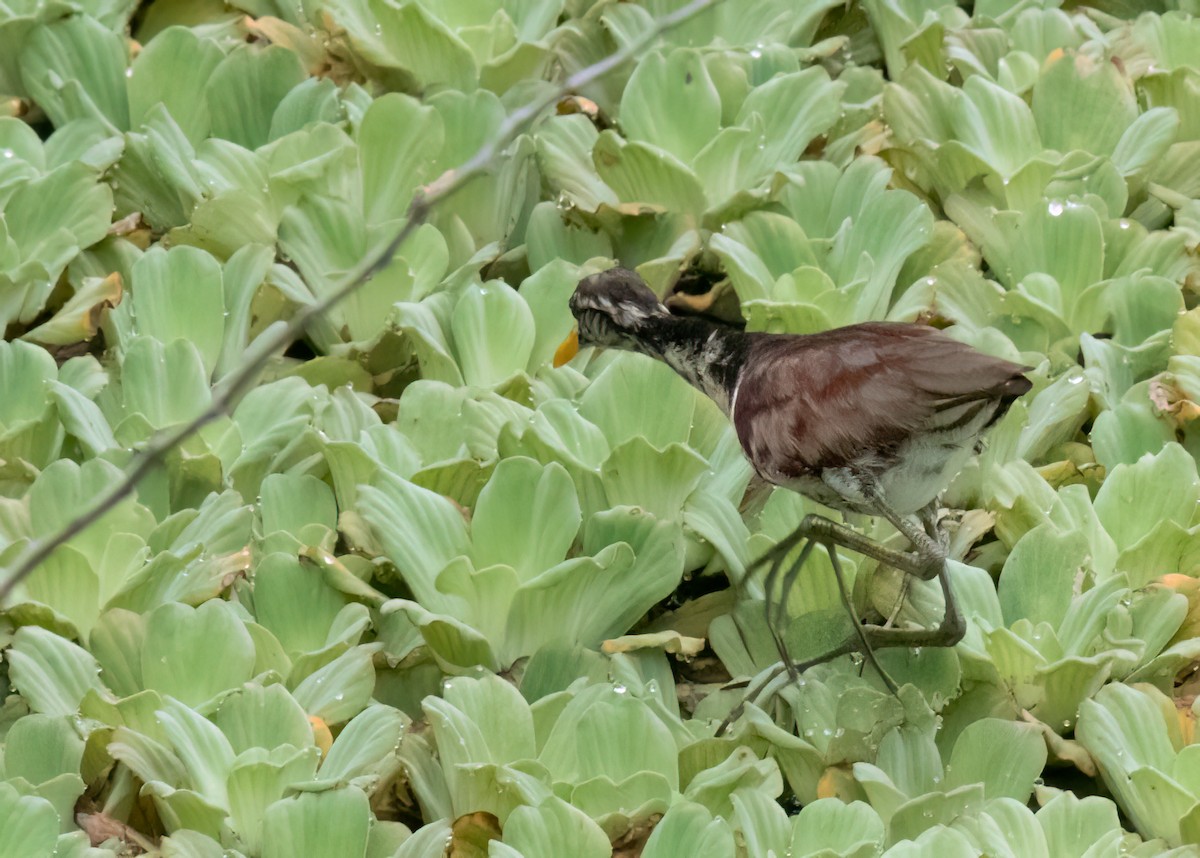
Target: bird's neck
column 708, row 356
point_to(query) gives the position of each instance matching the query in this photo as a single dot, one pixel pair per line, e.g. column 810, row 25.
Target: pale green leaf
column 245, row 88
column 658, row 85
column 193, row 654
column 51, row 673
column 174, row 69
column 493, row 333
column 341, row 689
column 1005, row 756
column 526, row 517
column 331, row 824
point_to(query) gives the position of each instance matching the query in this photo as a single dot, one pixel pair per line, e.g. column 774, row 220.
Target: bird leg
column 929, row 521
column 926, row 563
column 814, row 530
column 776, row 613
column 866, row 639
column 867, row 650
column 930, row 551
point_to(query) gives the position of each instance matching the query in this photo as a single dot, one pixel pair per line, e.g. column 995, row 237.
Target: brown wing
column 824, row 400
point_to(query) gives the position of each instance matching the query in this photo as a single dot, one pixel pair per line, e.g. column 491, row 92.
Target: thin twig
column 423, row 203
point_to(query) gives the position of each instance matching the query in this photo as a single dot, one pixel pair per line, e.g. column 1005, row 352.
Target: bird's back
column 904, row 403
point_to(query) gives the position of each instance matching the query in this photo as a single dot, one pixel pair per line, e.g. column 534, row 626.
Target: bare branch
column 229, row 390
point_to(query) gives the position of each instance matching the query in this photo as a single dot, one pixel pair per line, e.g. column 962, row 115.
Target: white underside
column 921, row 470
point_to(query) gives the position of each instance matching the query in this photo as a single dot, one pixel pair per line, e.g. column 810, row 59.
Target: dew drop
column 1055, row 208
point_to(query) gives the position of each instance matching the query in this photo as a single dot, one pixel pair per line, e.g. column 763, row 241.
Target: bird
column 873, row 418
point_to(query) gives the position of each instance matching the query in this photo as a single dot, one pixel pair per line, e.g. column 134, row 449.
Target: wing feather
column 824, row 400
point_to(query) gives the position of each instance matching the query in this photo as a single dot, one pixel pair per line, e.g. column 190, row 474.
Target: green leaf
column 1163, row 550
column 1039, row 575
column 51, row 673
column 1136, row 498
column 75, row 68
column 365, row 744
column 174, row 69
column 493, row 333
column 177, row 294
column 28, row 428
column 689, row 829
column 795, row 109
column 1146, row 140
column 938, row 841
column 50, row 219
column 294, row 602
column 194, row 654
column 246, row 87
column 165, row 385
column 996, row 125
column 830, row 824
column 655, row 572
column 658, row 85
column 872, row 229
column 412, row 38
column 1073, row 825
column 489, row 715
column 555, row 828
column 39, row 748
column 262, row 717
column 1005, row 756
column 636, row 473
column 548, row 291
column 330, row 824
column 314, row 100
column 717, row 787
column 28, row 825
column 399, row 511
column 157, row 175
column 779, row 242
column 202, row 749
column 1128, row 732
column 526, row 517
column 66, row 583
column 297, row 508
column 258, row 779
column 564, row 151
column 631, row 379
column 607, row 732
column 644, row 176
column 1062, row 239
column 341, row 689
column 1080, row 103
column 28, row 157
column 398, row 142
column 551, row 239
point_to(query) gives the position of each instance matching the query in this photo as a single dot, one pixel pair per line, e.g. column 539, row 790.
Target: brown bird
column 874, row 418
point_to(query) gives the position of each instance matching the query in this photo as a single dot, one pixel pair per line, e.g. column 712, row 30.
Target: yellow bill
column 568, row 349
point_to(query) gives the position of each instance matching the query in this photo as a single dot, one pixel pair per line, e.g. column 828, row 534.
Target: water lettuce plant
column 420, row 590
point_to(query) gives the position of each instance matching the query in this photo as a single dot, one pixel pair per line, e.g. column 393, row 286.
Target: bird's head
column 613, row 308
